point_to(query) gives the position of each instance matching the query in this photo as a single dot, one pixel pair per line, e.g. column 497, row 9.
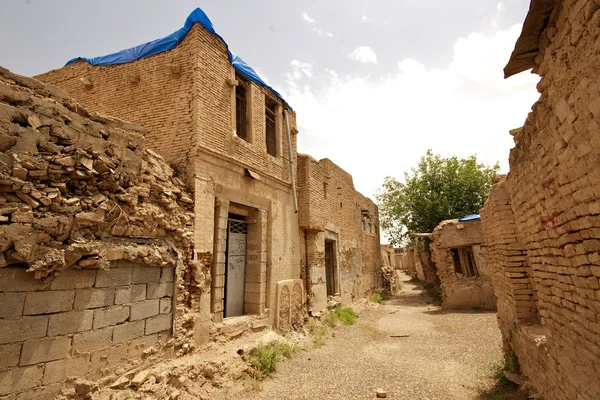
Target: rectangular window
column 271, row 126
column 464, row 262
column 241, row 108
column 325, row 190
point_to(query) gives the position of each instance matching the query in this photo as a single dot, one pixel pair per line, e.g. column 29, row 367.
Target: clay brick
column 167, row 274
column 130, row 294
column 159, row 323
column 159, row 290
column 128, row 331
column 46, row 349
column 113, row 277
column 110, row 316
column 9, row 355
column 94, row 298
column 11, row 304
column 145, row 275
column 93, row 340
column 22, row 328
column 144, row 309
column 74, row 279
column 165, row 305
column 57, row 371
column 48, row 302
column 19, row 280
column 19, row 379
column 70, row 322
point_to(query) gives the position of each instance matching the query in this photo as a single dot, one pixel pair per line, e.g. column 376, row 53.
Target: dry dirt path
column 448, row 355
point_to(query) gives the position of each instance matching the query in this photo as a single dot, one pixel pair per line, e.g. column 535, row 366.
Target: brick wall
column 542, row 223
column 330, row 208
column 460, row 291
column 84, row 323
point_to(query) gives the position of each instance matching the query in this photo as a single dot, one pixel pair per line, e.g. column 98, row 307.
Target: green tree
column 436, row 190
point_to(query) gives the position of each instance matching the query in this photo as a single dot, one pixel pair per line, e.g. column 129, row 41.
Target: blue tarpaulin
column 469, row 218
column 170, row 42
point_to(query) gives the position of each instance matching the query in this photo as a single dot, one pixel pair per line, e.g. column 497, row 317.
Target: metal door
column 236, row 268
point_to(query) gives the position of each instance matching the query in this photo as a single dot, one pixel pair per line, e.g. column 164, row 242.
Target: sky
column 374, row 83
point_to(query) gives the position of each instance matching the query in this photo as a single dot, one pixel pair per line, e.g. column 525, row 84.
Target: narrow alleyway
column 448, row 355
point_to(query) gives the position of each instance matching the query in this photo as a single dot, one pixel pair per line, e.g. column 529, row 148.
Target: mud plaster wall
column 552, row 194
column 461, row 292
column 95, row 233
column 330, row 208
column 185, row 99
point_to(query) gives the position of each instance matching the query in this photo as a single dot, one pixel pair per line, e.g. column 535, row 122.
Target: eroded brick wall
column 542, row 224
column 460, row 291
column 331, row 209
column 96, row 236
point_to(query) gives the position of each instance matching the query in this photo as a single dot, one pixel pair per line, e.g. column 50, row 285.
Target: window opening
column 271, row 127
column 241, row 109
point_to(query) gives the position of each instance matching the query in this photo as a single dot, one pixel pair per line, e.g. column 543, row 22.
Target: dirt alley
column 448, row 355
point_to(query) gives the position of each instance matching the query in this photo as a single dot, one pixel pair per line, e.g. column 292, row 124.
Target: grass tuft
column 347, row 315
column 377, row 297
column 265, row 357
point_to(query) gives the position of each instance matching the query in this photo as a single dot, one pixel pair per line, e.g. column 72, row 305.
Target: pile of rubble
column 80, row 190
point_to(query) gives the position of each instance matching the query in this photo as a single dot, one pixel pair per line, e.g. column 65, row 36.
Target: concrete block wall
column 462, row 291
column 554, row 196
column 83, row 323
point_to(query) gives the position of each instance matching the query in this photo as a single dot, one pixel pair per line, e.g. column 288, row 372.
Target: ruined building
column 96, row 241
column 340, row 234
column 464, row 275
column 541, row 223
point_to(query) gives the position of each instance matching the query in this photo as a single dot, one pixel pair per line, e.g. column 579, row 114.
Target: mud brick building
column 340, row 235
column 541, row 223
column 464, row 275
column 95, row 244
column 209, row 115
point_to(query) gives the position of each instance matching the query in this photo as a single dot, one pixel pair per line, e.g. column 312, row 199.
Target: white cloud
column 377, row 128
column 501, row 7
column 364, row 54
column 364, row 18
column 307, row 18
column 322, row 32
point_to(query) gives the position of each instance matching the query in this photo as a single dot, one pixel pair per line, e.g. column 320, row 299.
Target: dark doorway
column 331, row 267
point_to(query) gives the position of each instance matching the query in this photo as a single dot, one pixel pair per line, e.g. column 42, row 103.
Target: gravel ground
column 448, row 355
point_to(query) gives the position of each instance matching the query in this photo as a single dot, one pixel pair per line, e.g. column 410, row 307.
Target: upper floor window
column 271, row 126
column 241, row 109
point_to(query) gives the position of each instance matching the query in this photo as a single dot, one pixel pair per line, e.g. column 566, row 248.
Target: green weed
column 347, row 315
column 265, row 357
column 377, row 297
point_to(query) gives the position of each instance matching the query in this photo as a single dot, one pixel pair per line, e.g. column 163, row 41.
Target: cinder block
column 70, row 322
column 94, row 298
column 144, row 309
column 167, row 274
column 19, row 379
column 93, row 340
column 113, row 277
column 158, row 290
column 159, row 323
column 48, row 302
column 130, row 294
column 57, row 371
column 11, row 304
column 103, row 361
column 165, row 305
column 46, row 349
column 128, row 331
column 22, row 328
column 19, row 280
column 110, row 316
column 74, row 279
column 9, row 355
column 145, row 275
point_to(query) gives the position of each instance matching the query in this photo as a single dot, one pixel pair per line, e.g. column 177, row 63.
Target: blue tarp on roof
column 469, row 218
column 170, row 42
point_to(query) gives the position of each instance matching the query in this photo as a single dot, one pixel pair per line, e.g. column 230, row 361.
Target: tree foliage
column 436, row 190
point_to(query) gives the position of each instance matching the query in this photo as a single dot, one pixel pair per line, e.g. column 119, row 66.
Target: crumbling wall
column 331, row 209
column 95, row 239
column 460, row 291
column 553, row 195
